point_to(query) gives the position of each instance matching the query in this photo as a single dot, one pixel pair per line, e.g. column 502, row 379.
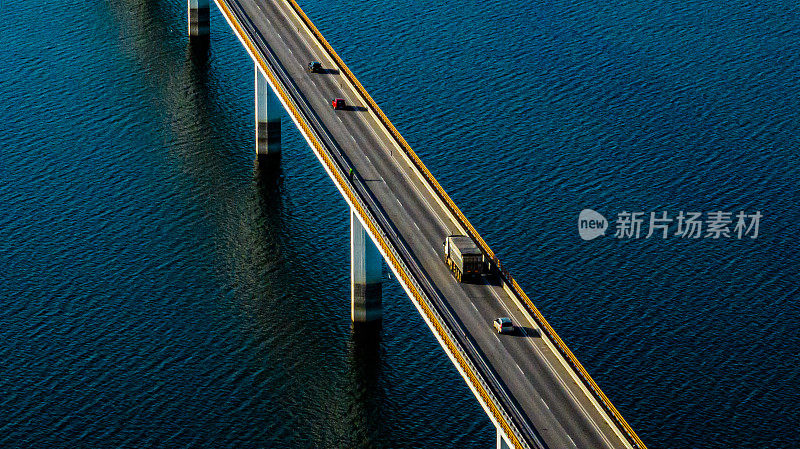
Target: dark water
column 157, row 293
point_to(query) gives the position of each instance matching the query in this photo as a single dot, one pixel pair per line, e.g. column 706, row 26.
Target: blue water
column 157, row 293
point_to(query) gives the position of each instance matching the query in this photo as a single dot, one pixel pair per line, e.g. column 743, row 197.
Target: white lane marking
column 420, row 195
column 550, row 366
column 290, row 16
column 347, row 95
column 570, row 440
column 497, row 337
column 282, row 41
column 400, row 168
column 367, row 125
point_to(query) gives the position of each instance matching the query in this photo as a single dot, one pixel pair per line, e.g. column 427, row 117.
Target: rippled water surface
column 156, row 292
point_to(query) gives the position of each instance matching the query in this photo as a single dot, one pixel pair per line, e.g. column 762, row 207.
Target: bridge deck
column 531, row 371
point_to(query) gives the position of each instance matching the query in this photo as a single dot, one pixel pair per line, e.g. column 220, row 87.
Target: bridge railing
column 388, row 250
column 580, row 371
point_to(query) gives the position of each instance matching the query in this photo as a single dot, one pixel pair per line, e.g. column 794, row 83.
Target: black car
column 314, row 67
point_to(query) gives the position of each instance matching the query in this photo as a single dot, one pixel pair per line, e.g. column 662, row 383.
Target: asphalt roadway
column 543, row 391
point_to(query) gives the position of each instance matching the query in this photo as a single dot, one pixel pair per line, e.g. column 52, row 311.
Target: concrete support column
column 268, row 118
column 501, row 441
column 199, row 18
column 366, row 265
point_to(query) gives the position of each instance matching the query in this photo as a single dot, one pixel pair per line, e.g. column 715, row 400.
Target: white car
column 503, row 325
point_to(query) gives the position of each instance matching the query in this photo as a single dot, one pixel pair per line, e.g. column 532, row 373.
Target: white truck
column 463, row 257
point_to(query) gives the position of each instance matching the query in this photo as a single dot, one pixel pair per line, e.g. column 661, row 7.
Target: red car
column 338, row 103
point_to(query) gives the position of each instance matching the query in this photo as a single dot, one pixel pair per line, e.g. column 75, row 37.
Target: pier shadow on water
column 365, row 359
column 267, row 171
column 198, row 49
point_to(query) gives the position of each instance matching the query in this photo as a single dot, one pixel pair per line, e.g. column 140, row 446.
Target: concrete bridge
column 530, row 384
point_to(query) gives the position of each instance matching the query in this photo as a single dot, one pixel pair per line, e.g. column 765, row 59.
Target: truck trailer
column 463, row 257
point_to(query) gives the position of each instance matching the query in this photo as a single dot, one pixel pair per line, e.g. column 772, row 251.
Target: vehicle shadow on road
column 493, row 279
column 354, row 108
column 523, row 331
column 329, row 72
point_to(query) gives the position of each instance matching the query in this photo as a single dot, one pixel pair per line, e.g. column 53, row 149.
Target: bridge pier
column 199, row 18
column 268, row 118
column 366, row 273
column 501, row 441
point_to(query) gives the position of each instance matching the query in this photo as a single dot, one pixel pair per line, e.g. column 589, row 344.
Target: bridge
column 530, row 384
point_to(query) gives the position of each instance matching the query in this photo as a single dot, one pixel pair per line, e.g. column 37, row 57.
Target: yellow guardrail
column 393, row 260
column 445, row 198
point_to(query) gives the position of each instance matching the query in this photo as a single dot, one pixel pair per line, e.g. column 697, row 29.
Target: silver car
column 503, row 325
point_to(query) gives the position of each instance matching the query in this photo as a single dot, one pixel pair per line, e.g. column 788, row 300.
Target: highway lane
column 526, row 366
